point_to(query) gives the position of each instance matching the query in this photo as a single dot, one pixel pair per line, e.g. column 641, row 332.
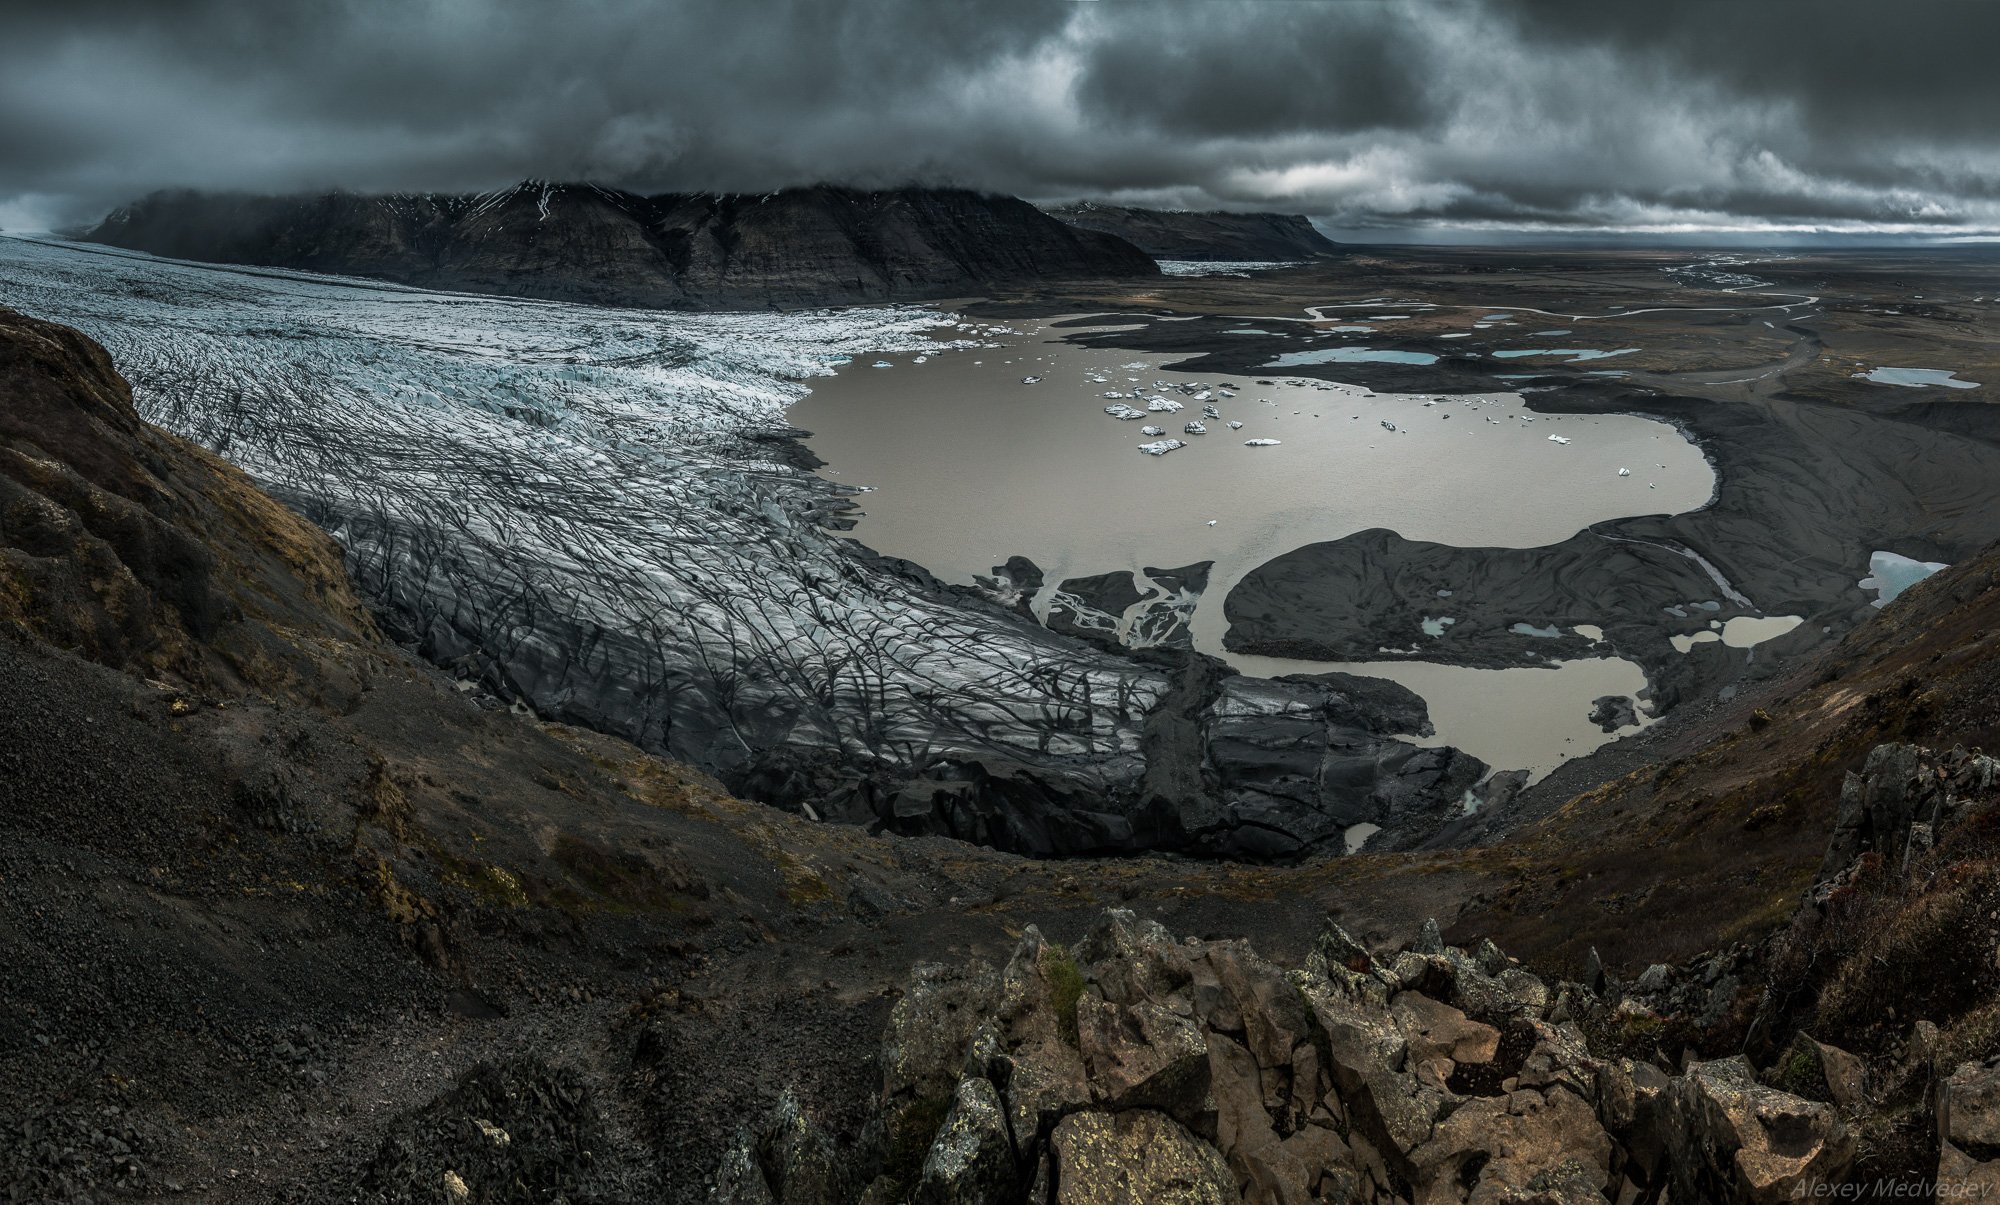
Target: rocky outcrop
column 1213, row 235
column 1901, row 804
column 571, row 242
column 1740, row 1141
column 1138, row 1067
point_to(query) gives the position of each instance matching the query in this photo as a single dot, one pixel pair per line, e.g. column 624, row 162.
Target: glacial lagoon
column 967, row 462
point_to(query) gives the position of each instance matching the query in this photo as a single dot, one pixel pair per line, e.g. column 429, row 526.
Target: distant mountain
column 1177, row 234
column 799, row 247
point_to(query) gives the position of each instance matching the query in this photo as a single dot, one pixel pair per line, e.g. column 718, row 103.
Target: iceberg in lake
column 1031, row 380
column 1123, row 412
column 1558, row 439
column 1260, row 443
column 1195, row 428
column 1234, row 425
column 1149, row 429
column 1160, row 447
column 1210, row 412
column 1165, row 405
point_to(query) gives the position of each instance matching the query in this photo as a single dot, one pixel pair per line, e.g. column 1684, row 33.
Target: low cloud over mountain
column 1396, row 114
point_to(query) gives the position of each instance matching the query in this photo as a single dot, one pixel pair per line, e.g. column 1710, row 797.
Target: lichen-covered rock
column 931, row 1024
column 1137, row 1157
column 1269, row 1168
column 1041, row 992
column 1735, row 1140
column 1560, row 1058
column 1438, row 1031
column 1141, row 1056
column 1368, row 1060
column 1524, row 1146
column 738, row 1179
column 1131, row 958
column 801, row 1164
column 971, row 1162
column 1902, row 801
column 1265, row 1008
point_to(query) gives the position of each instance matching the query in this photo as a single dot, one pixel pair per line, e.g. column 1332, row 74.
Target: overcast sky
column 1644, row 115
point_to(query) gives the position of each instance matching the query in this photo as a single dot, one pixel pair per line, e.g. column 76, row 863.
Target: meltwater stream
column 972, row 456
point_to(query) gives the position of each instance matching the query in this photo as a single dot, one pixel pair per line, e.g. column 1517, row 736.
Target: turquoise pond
column 1889, row 574
column 1917, row 378
column 1351, row 355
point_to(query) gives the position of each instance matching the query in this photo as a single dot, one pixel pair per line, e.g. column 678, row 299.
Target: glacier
column 603, row 515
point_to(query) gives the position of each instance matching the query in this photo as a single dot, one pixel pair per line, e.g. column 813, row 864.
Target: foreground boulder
column 1968, row 1121
column 1737, row 1140
column 1110, row 1158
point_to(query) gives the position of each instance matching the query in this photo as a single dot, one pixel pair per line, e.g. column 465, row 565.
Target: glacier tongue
column 601, row 512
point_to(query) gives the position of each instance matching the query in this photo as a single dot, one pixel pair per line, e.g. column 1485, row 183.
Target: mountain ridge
column 795, row 248
column 1209, row 235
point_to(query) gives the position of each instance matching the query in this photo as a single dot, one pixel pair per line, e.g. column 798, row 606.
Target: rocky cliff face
column 795, row 248
column 1215, row 236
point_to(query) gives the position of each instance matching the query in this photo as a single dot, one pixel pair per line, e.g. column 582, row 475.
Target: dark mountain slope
column 1214, row 235
column 139, row 550
column 799, row 247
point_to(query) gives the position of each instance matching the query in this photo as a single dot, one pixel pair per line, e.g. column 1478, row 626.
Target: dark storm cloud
column 1708, row 114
